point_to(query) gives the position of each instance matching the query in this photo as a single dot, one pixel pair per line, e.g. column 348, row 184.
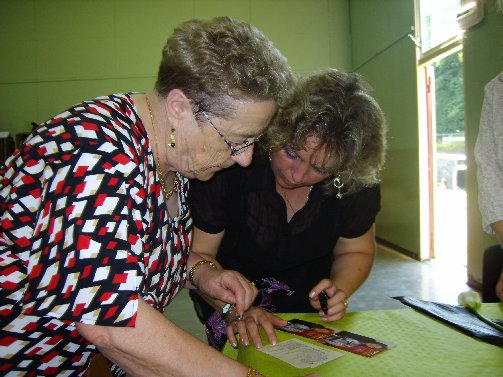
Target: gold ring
column 252, row 283
column 345, row 303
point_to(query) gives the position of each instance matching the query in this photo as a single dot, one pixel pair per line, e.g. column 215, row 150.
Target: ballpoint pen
column 323, row 297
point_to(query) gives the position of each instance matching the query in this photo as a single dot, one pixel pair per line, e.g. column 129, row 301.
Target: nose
column 298, row 170
column 244, row 158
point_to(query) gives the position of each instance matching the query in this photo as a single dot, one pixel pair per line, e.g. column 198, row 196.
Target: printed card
column 301, row 354
column 337, row 338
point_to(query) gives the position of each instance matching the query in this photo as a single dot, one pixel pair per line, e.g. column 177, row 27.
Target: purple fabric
column 215, row 326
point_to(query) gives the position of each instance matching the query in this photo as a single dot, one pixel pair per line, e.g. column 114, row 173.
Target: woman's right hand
column 248, row 327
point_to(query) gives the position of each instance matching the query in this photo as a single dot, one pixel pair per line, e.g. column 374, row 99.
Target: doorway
column 448, row 159
column 441, row 134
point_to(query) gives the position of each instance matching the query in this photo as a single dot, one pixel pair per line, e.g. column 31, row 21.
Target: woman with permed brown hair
column 299, row 222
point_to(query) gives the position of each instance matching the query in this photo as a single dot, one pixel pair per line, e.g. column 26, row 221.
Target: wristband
column 195, row 266
column 251, row 372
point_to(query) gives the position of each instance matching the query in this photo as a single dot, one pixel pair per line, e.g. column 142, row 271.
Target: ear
column 178, row 104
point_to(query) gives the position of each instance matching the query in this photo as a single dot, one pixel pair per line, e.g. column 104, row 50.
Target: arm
column 353, row 260
column 156, row 347
column 218, row 286
column 206, row 245
column 498, row 229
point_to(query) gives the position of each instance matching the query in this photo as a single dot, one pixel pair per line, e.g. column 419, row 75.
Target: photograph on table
column 338, row 338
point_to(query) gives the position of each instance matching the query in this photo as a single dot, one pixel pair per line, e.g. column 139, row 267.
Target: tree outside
column 450, row 117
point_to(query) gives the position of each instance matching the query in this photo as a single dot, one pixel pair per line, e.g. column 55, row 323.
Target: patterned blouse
column 489, row 154
column 84, row 232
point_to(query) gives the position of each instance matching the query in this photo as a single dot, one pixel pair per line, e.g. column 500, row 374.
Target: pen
column 323, row 297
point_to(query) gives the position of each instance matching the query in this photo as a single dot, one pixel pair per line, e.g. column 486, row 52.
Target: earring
column 172, row 141
column 269, row 153
column 338, row 184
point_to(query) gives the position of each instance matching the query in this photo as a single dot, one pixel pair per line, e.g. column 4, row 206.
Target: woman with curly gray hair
column 95, row 225
column 299, row 222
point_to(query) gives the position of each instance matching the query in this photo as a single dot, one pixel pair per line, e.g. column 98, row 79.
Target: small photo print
column 340, row 339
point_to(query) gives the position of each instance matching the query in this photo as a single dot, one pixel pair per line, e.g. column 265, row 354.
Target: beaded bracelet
column 252, row 372
column 195, row 266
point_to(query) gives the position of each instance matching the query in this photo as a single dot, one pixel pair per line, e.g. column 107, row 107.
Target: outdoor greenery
column 449, row 95
column 451, row 147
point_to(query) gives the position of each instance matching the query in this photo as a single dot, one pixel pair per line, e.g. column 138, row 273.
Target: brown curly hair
column 338, row 108
column 219, row 60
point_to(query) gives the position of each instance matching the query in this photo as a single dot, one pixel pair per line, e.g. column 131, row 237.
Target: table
column 423, row 347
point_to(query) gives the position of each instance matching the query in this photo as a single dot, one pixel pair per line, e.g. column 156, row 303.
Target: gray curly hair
column 217, row 60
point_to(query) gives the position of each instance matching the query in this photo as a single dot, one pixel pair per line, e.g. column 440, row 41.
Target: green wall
column 383, row 53
column 55, row 53
column 58, row 52
column 483, row 60
column 387, row 58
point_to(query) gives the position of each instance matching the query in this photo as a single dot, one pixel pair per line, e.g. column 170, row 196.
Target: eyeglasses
column 235, row 150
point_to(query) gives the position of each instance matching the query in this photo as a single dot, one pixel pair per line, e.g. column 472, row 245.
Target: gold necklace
column 167, row 194
column 303, row 204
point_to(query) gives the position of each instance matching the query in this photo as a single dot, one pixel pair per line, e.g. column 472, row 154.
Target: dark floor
column 393, row 274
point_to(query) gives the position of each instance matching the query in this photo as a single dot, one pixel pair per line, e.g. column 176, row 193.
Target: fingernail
column 273, row 343
column 312, row 294
column 234, row 345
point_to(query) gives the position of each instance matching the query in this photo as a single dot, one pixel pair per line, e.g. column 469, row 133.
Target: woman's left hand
column 336, row 302
column 228, row 286
column 248, row 324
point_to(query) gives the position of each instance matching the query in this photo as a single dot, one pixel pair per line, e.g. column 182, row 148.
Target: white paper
column 301, row 354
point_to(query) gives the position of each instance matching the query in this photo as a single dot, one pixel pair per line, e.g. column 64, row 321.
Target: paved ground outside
column 450, row 226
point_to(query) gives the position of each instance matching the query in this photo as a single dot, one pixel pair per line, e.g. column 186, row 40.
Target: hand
column 248, row 327
column 499, row 287
column 337, row 303
column 228, row 286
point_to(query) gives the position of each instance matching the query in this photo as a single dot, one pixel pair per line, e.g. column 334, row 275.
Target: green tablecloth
column 423, row 347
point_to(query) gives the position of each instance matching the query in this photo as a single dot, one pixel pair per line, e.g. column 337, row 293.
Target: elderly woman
column 300, row 221
column 94, row 221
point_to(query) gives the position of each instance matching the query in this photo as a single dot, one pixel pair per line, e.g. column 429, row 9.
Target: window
column 437, row 23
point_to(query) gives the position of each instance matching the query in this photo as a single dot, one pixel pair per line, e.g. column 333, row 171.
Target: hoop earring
column 172, row 141
column 338, row 184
